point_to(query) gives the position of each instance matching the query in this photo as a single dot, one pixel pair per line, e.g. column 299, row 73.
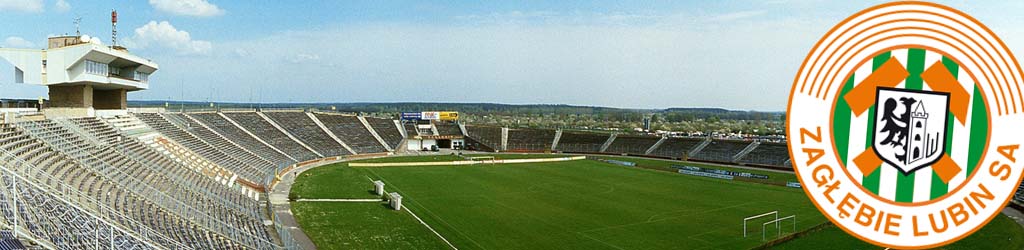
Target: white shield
column 910, row 127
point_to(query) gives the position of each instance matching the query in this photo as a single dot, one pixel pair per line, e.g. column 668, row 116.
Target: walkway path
column 283, row 209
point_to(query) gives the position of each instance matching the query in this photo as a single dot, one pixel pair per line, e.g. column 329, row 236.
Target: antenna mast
column 113, row 24
column 78, row 20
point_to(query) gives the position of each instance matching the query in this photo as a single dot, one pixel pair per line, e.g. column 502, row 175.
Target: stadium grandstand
column 153, row 178
column 85, row 171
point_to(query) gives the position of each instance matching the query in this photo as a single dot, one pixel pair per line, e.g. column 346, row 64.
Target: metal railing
column 149, row 164
column 72, row 197
column 140, row 187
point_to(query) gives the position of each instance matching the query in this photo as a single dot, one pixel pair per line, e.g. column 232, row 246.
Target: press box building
column 83, row 77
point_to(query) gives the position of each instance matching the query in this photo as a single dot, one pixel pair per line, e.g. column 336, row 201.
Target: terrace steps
column 699, row 147
column 753, row 145
column 243, row 129
column 374, row 133
column 285, row 132
column 504, row 138
column 558, row 136
column 329, row 133
column 655, row 146
column 611, row 139
column 398, row 124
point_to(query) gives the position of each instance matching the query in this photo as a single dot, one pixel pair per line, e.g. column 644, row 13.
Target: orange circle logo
column 902, row 125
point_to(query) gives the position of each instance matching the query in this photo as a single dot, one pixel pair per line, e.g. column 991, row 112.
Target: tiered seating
column 387, row 130
column 447, row 128
column 768, row 153
column 104, row 147
column 240, row 137
column 41, row 213
column 179, row 135
column 254, row 167
column 124, row 188
column 268, row 133
column 530, row 139
column 130, row 126
column 176, row 172
column 581, row 141
column 352, row 132
column 676, row 147
column 489, row 136
column 721, row 150
column 631, row 144
column 57, row 222
column 301, row 126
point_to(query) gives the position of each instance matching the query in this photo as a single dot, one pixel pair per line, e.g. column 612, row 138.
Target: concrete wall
column 110, row 99
column 84, row 96
column 69, row 112
column 79, row 96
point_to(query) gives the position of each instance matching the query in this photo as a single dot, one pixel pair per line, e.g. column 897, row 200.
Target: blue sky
column 633, row 54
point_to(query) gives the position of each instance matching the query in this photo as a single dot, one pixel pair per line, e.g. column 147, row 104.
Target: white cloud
column 164, row 35
column 22, row 5
column 62, row 6
column 18, row 42
column 200, row 8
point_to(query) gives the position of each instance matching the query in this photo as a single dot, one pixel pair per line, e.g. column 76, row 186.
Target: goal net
column 773, row 215
column 770, row 223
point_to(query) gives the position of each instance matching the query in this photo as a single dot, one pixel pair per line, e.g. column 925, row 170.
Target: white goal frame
column 745, row 220
column 778, row 230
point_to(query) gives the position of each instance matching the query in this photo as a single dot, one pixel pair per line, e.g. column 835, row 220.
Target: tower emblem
column 906, row 136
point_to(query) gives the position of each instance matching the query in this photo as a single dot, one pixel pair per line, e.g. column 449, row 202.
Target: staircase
column 699, row 147
column 745, row 151
column 240, row 127
column 195, row 121
column 329, row 133
column 130, row 126
column 608, row 143
column 504, row 139
column 462, row 127
column 558, row 137
column 285, row 132
column 401, row 130
column 656, row 144
column 375, row 135
column 433, row 129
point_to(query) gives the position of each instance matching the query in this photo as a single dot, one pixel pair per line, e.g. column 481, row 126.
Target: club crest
column 910, row 130
column 903, row 129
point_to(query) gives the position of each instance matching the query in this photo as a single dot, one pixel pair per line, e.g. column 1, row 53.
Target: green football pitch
column 562, row 205
column 582, row 204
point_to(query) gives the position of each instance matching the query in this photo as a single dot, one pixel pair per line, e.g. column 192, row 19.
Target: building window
column 142, row 77
column 97, row 68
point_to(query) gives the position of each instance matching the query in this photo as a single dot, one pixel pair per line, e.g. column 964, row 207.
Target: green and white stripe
column 853, row 133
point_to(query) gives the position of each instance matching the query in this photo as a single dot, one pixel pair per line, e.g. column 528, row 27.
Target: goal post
column 745, row 220
column 778, row 229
